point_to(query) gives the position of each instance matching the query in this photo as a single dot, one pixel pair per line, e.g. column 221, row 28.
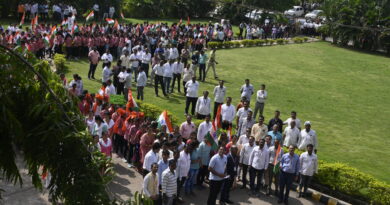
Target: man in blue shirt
column 275, row 134
column 217, row 168
column 289, row 169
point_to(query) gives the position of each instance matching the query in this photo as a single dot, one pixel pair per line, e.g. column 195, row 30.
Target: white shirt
column 203, row 106
column 228, row 112
column 150, row 158
column 242, row 140
column 247, row 91
column 308, row 164
column 297, row 122
column 243, row 113
column 219, row 94
column 178, row 67
column 146, row 58
column 168, row 70
column 122, row 77
column 111, row 90
column 203, row 128
column 134, row 60
column 173, row 53
column 261, row 96
column 292, row 136
column 245, row 153
column 158, row 70
column 259, row 158
column 107, row 58
column 96, row 7
column 125, row 61
column 307, row 138
column 184, row 163
column 106, row 74
column 192, row 89
column 147, row 178
column 141, row 79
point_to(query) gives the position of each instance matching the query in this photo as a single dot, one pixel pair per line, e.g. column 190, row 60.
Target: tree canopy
column 40, row 121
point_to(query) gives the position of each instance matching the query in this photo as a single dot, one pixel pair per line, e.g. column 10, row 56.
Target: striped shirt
column 169, row 183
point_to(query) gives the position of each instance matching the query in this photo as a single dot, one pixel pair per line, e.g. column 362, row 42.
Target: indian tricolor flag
column 212, row 135
column 164, row 120
column 276, row 163
column 46, row 41
column 34, row 22
column 53, row 31
column 22, row 21
column 90, row 16
column 110, row 21
column 116, row 25
column 131, row 104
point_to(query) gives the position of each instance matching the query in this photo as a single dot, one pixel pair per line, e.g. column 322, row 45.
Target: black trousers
column 225, row 192
column 189, row 101
column 253, row 174
column 92, row 69
column 215, row 188
column 285, row 181
column 184, row 87
column 119, row 88
column 180, row 182
column 202, row 72
column 216, row 105
column 226, row 125
column 178, row 77
column 203, row 173
column 145, row 67
column 159, row 80
column 244, row 173
column 200, row 117
column 304, row 182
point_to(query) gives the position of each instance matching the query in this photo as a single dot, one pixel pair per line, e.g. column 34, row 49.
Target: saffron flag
column 188, row 20
column 116, row 25
column 110, row 21
column 22, row 21
column 53, row 31
column 90, row 16
column 181, row 21
column 276, row 162
column 34, row 22
column 164, row 120
column 131, row 104
column 122, row 16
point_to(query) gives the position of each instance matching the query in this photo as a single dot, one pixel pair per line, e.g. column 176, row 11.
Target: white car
column 295, row 11
column 314, row 14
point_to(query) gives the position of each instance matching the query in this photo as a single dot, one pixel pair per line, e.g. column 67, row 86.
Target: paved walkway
column 125, row 184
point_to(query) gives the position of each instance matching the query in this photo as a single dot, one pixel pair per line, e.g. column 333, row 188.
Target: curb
column 320, row 197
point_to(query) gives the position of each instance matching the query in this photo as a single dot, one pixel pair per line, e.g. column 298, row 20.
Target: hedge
column 60, row 63
column 254, row 42
column 337, row 176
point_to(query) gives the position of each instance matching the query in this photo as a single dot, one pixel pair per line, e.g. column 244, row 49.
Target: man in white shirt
column 168, row 74
column 308, row 136
column 150, row 185
column 107, row 58
column 127, row 83
column 293, row 118
column 178, row 68
column 183, row 167
column 245, row 153
column 291, row 135
column 146, row 58
column 173, row 53
column 219, row 96
column 247, row 90
column 227, row 112
column 158, row 69
column 192, row 95
column 258, row 162
column 203, row 106
column 107, row 73
column 260, row 100
column 141, row 83
column 150, row 158
column 308, row 165
column 111, row 88
column 243, row 112
column 111, row 12
column 245, row 124
column 134, row 63
column 125, row 58
column 204, row 128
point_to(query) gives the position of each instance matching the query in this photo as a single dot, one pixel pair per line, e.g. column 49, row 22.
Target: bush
column 245, row 42
column 60, row 63
column 251, row 42
column 154, row 112
column 117, row 100
column 280, row 41
column 212, row 44
column 227, row 44
column 266, row 41
column 349, row 180
column 236, row 44
column 297, row 40
column 305, row 39
column 271, row 42
column 286, row 41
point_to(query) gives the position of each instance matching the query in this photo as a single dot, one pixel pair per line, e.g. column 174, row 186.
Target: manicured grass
column 344, row 93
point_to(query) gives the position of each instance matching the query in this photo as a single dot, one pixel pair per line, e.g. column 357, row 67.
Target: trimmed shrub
column 271, row 42
column 212, row 44
column 117, row 100
column 245, row 42
column 280, row 41
column 266, row 41
column 197, row 122
column 305, row 39
column 251, row 43
column 236, row 44
column 227, row 44
column 297, row 40
column 60, row 63
column 286, row 41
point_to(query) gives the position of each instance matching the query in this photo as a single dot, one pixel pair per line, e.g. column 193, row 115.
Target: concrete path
column 125, row 184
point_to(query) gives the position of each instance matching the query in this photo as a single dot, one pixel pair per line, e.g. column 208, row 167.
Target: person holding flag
column 275, row 155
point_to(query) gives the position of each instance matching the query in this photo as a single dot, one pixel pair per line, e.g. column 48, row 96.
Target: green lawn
column 344, row 93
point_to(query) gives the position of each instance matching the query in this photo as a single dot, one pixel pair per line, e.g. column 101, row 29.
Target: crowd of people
column 184, row 156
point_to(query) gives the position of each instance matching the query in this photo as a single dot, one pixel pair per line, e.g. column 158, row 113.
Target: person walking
column 141, row 83
column 93, row 57
column 158, row 69
column 308, row 164
column 217, row 168
column 178, row 68
column 219, row 96
column 168, row 74
column 289, row 170
column 212, row 62
column 192, row 95
column 202, row 65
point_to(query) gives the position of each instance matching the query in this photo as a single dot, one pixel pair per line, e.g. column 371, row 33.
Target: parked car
column 295, row 11
column 314, row 14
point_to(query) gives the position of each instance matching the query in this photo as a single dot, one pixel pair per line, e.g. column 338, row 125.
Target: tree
column 42, row 121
